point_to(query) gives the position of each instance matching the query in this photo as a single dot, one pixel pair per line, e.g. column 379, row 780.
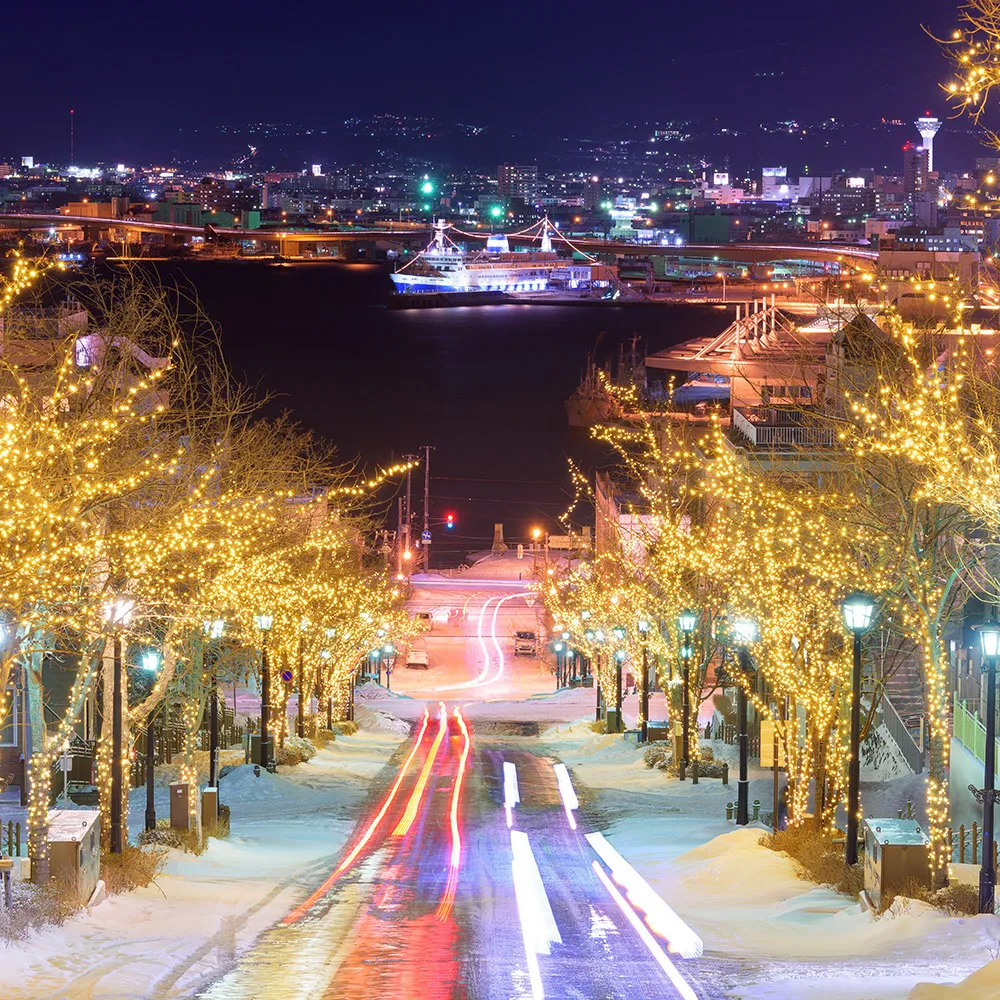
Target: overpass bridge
column 284, row 241
column 355, row 242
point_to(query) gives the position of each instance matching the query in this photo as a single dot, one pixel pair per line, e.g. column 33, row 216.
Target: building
column 518, row 182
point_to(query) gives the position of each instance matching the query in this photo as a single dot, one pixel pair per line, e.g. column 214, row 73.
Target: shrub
column 958, row 899
column 324, row 736
column 296, row 750
column 656, row 753
column 345, row 728
column 36, row 906
column 821, row 860
column 132, row 869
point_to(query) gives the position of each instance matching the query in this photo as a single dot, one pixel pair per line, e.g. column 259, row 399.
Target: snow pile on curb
column 376, row 721
column 370, row 691
column 981, row 985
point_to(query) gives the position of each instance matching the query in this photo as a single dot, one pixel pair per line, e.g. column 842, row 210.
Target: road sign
column 286, row 676
column 425, row 536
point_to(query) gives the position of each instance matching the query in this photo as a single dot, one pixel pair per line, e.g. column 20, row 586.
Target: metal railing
column 901, row 735
column 970, row 731
column 781, row 435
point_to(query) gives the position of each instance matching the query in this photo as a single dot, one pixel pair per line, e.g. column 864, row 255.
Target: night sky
column 136, row 73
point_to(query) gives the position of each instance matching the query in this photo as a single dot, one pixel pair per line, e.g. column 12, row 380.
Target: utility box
column 180, row 805
column 75, row 849
column 896, row 851
column 210, row 806
column 658, row 730
column 613, row 721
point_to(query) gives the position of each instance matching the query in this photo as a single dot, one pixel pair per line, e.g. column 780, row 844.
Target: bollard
column 756, row 809
column 681, row 771
column 694, row 771
column 729, row 810
column 725, row 774
column 961, row 844
column 6, row 864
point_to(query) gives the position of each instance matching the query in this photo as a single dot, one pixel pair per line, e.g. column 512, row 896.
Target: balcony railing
column 771, row 428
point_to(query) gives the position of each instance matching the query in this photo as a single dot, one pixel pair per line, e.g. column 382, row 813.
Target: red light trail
column 300, row 910
column 448, row 899
column 410, row 813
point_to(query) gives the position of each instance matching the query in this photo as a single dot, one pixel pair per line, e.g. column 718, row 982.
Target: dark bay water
column 485, row 386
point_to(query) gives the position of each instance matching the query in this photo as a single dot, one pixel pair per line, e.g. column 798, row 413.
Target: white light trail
column 511, row 794
column 662, row 920
column 682, row 985
column 570, row 801
column 538, row 924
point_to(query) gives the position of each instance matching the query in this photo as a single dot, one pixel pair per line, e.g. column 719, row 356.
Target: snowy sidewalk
column 183, row 931
column 768, row 934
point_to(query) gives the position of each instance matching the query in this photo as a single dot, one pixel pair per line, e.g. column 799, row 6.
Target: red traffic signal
column 449, row 521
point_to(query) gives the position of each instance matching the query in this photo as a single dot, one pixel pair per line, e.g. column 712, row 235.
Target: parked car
column 525, row 644
column 416, row 659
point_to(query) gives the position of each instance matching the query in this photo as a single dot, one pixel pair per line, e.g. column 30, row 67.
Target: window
column 8, row 729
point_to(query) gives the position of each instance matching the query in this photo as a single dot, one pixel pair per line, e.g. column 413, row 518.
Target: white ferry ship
column 446, row 267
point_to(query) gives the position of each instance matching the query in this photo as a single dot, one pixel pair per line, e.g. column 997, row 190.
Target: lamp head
column 119, row 611
column 264, row 622
column 150, row 661
column 858, row 608
column 744, row 631
column 687, row 620
column 214, row 629
column 989, row 638
column 643, row 626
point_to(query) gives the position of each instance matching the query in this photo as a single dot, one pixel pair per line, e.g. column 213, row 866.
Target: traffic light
column 450, row 521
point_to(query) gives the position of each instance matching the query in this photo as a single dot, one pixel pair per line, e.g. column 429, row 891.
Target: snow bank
column 981, row 985
column 376, row 720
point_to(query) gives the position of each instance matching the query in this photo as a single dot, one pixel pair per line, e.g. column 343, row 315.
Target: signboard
column 767, row 745
column 425, row 536
column 286, row 676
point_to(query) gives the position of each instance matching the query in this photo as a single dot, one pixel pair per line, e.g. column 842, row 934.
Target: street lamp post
column 686, row 621
column 989, row 636
column 150, row 662
column 213, row 630
column 858, row 609
column 745, row 632
column 118, row 614
column 300, row 710
column 619, row 634
column 644, row 688
column 264, row 623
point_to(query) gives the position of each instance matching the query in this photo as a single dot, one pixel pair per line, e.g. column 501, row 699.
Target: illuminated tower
column 928, row 128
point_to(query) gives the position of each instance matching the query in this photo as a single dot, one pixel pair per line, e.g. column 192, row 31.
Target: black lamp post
column 150, row 662
column 644, row 685
column 989, row 636
column 213, row 631
column 619, row 634
column 264, row 623
column 119, row 612
column 858, row 608
column 744, row 632
column 686, row 622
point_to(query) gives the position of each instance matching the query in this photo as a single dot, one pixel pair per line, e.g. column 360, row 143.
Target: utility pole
column 427, row 500
column 399, row 538
column 408, row 516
